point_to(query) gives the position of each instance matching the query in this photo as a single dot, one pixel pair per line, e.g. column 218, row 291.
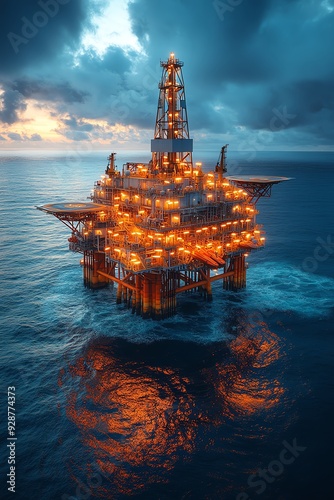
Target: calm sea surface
column 227, row 400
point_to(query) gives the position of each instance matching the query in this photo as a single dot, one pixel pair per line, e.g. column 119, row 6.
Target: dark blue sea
column 229, row 400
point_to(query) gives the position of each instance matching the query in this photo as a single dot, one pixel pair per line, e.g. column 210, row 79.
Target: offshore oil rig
column 165, row 227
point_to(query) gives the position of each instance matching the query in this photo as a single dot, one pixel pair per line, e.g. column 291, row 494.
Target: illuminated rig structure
column 165, row 227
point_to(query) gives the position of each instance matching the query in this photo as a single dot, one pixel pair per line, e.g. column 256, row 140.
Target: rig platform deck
column 165, row 227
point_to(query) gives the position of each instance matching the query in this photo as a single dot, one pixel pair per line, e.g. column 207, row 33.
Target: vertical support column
column 240, row 259
column 236, row 274
column 125, row 294
column 95, row 277
column 164, row 294
column 168, row 297
column 208, row 287
column 134, row 297
column 243, row 273
column 228, row 283
column 173, row 284
column 155, row 295
column 139, row 297
column 153, row 286
column 94, row 262
column 119, row 294
column 167, row 294
column 158, row 286
column 85, row 268
column 146, row 297
column 88, row 268
column 239, row 269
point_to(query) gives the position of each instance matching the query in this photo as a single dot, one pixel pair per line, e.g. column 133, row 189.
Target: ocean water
column 227, row 400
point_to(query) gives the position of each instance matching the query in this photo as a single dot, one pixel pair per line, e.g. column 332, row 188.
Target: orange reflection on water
column 139, row 421
column 131, row 418
column 247, row 390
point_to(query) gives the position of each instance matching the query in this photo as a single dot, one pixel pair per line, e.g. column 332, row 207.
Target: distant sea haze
column 227, row 400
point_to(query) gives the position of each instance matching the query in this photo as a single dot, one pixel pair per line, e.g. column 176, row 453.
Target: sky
column 259, row 74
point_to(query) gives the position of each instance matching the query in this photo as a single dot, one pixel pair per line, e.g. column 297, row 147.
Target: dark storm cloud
column 34, row 35
column 309, row 100
column 114, row 91
column 94, row 88
column 33, row 32
column 264, row 65
column 104, row 77
column 194, row 30
column 12, row 103
column 48, row 91
column 13, row 98
column 98, row 87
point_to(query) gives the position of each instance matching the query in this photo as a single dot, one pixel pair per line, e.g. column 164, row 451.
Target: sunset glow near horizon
column 259, row 77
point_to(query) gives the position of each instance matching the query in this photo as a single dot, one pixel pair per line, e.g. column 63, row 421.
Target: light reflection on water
column 143, row 411
column 245, row 392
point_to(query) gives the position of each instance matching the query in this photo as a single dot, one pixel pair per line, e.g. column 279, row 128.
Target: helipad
column 260, row 179
column 256, row 186
column 72, row 207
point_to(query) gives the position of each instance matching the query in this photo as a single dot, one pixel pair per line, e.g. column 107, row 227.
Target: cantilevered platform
column 72, row 208
column 260, row 179
column 256, row 186
column 72, row 214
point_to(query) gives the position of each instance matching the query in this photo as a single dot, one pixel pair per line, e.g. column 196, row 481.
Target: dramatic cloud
column 256, row 72
column 248, row 63
column 34, row 32
column 11, row 104
column 49, row 91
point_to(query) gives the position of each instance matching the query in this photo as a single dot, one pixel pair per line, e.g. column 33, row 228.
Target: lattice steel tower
column 172, row 147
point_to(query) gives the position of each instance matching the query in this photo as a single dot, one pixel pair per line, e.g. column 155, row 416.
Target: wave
column 287, row 288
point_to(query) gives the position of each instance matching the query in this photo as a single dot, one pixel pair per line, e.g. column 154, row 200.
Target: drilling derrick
column 172, row 147
column 164, row 227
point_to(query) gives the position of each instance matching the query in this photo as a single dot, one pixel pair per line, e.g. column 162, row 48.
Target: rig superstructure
column 165, row 227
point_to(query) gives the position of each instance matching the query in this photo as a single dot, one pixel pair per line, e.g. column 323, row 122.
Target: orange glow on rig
column 162, row 227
